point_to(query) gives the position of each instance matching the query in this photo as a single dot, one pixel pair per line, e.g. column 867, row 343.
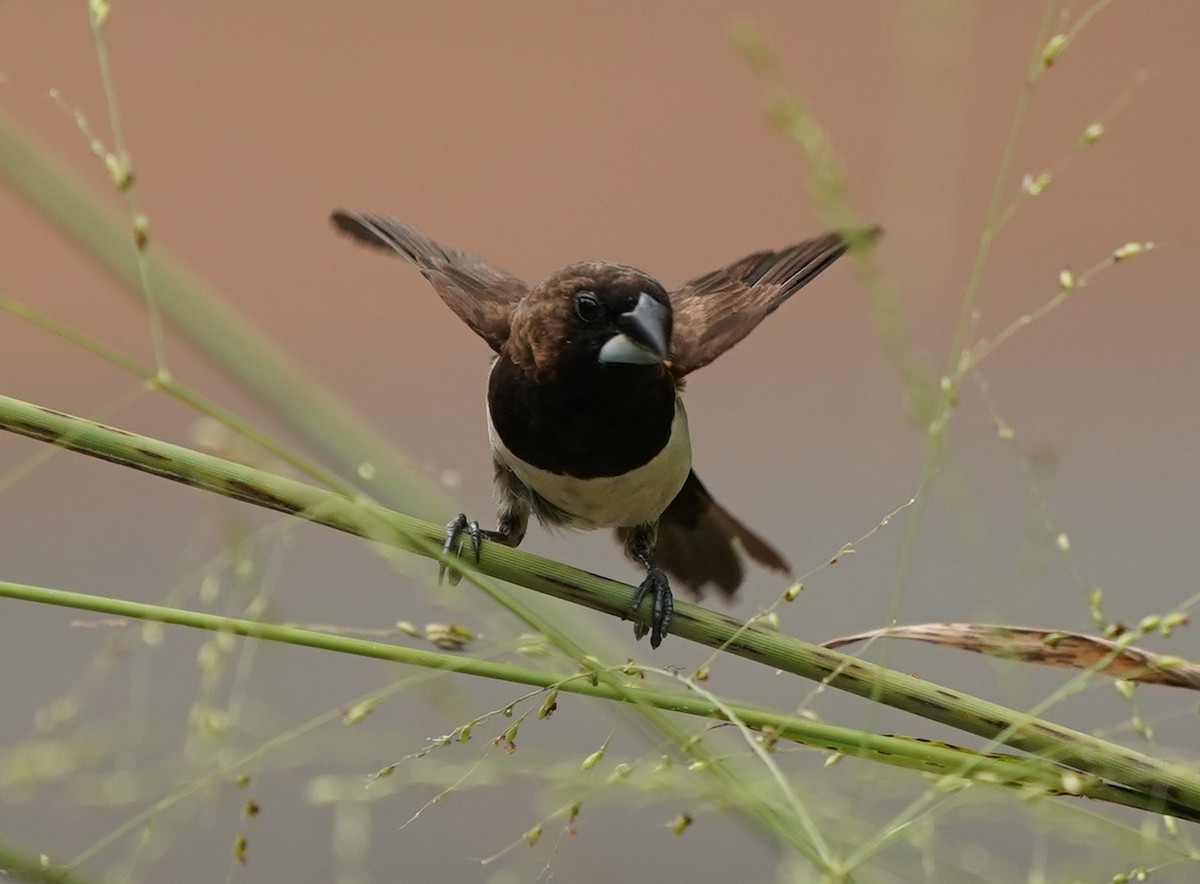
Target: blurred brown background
column 537, row 134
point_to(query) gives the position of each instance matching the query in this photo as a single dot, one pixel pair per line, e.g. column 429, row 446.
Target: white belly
column 634, row 498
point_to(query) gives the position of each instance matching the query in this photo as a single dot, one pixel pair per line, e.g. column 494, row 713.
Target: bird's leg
column 639, row 544
column 512, row 518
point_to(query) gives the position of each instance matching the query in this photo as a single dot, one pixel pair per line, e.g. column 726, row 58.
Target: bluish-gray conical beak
column 645, row 334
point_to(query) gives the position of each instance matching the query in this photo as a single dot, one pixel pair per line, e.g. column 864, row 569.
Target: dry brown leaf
column 1047, row 647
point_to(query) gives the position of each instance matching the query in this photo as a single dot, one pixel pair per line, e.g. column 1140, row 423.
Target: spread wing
column 715, row 311
column 481, row 294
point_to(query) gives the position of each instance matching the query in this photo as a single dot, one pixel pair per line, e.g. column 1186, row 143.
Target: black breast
column 604, row 421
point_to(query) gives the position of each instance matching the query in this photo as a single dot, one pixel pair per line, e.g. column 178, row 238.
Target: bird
column 585, row 419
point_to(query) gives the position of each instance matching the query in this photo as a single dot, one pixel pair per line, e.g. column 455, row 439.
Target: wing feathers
column 481, row 294
column 715, row 311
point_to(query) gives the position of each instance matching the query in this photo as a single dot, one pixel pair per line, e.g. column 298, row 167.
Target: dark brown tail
column 696, row 543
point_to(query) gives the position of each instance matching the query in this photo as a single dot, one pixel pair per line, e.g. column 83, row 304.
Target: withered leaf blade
column 1046, row 647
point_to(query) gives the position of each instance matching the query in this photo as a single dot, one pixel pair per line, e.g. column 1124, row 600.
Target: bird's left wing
column 482, row 295
column 715, row 311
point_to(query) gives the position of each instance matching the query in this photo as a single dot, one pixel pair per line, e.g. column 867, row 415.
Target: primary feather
column 482, row 294
column 715, row 311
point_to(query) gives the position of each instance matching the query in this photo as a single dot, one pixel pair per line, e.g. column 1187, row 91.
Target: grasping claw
column 639, row 546
column 455, row 529
column 661, row 611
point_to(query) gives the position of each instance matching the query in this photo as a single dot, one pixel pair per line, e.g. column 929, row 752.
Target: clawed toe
column 455, row 529
column 662, row 608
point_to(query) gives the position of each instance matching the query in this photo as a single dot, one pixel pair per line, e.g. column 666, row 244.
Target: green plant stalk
column 1176, row 785
column 958, row 764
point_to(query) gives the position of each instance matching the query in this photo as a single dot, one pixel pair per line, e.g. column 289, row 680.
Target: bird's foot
column 662, row 608
column 455, row 529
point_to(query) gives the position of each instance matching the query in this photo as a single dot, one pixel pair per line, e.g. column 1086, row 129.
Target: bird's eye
column 588, row 308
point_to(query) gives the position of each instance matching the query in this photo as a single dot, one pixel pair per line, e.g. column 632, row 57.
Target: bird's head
column 593, row 314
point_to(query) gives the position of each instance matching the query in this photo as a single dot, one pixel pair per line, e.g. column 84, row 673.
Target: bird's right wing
column 715, row 311
column 482, row 295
